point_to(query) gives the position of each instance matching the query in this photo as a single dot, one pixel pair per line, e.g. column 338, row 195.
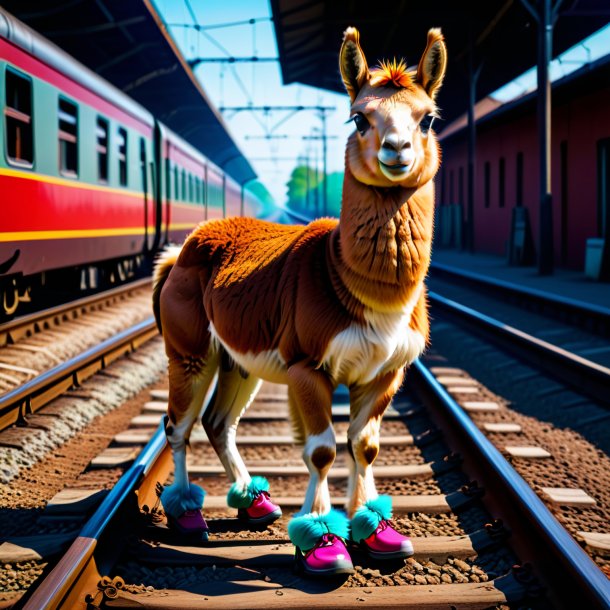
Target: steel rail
column 38, row 318
column 40, row 388
column 54, row 589
column 568, row 305
column 576, row 581
column 586, row 376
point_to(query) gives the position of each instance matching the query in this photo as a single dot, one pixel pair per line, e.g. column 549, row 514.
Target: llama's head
column 393, row 109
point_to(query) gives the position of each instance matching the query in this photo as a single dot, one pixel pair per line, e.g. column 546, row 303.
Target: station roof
column 127, row 44
column 504, row 33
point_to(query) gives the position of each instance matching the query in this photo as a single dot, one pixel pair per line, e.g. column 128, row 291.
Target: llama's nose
column 393, row 142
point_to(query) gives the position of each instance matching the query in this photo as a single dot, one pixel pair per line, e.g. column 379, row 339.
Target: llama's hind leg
column 370, row 512
column 234, row 392
column 318, row 531
column 189, row 381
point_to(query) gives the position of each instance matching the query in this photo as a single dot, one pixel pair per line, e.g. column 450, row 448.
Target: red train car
column 92, row 185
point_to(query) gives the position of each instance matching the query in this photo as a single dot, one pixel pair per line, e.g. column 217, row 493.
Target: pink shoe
column 262, row 511
column 386, row 543
column 191, row 523
column 329, row 557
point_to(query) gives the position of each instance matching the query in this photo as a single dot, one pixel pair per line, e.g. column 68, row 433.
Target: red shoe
column 329, row 557
column 386, row 543
column 191, row 523
column 261, row 512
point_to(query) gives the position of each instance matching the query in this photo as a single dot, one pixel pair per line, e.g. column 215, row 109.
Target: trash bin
column 593, row 257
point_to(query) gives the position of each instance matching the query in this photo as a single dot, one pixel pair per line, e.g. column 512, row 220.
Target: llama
column 333, row 302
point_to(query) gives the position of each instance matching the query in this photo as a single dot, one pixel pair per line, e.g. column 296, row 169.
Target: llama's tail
column 163, row 265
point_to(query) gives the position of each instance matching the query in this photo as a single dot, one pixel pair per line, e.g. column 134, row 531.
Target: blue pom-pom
column 306, row 530
column 367, row 517
column 176, row 502
column 242, row 496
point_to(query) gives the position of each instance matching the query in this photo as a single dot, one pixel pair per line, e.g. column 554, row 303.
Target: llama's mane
column 392, row 73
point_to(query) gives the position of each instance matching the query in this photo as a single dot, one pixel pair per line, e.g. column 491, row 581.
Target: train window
column 101, row 131
column 176, row 184
column 18, row 119
column 68, row 133
column 183, row 185
column 519, row 179
column 487, row 183
column 122, row 155
column 143, row 165
column 191, row 196
column 501, row 182
column 168, row 176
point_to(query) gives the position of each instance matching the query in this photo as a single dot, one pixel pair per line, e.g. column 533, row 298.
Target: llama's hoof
column 262, row 511
column 328, row 557
column 190, row 523
column 386, row 543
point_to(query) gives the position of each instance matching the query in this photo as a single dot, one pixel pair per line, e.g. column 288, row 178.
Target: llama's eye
column 362, row 123
column 426, row 123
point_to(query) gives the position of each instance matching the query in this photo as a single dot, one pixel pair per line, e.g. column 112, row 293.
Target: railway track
column 125, row 556
column 28, row 389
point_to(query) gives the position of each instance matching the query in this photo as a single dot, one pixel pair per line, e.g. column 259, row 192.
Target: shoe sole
column 264, row 520
column 393, row 555
column 301, row 568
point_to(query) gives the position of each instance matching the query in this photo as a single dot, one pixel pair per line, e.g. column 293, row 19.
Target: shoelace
column 326, row 540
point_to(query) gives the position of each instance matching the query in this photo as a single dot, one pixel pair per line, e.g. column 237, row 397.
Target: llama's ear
column 352, row 62
column 432, row 65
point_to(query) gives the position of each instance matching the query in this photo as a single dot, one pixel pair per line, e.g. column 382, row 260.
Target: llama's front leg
column 234, row 392
column 318, row 531
column 189, row 380
column 370, row 512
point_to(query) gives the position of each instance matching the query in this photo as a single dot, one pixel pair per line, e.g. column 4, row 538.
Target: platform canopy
column 127, row 44
column 502, row 32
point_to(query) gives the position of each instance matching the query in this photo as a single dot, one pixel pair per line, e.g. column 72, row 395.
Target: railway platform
column 567, row 284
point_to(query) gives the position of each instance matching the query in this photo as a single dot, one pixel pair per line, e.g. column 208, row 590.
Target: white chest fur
column 385, row 342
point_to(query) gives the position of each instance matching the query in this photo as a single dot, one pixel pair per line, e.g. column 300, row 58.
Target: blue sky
column 242, row 84
column 260, row 84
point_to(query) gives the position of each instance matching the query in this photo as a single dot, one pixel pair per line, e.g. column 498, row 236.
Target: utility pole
column 545, row 15
column 322, row 110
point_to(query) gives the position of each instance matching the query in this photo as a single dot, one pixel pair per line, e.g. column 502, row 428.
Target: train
column 92, row 185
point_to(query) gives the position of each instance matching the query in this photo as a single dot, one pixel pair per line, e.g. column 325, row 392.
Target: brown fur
column 277, row 297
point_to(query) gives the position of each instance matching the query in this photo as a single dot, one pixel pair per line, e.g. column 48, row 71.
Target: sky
column 295, row 136
column 258, row 84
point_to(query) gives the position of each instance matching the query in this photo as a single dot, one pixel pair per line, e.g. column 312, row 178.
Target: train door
column 147, row 172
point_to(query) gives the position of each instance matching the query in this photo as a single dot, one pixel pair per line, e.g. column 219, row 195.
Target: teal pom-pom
column 241, row 496
column 306, row 530
column 176, row 502
column 367, row 517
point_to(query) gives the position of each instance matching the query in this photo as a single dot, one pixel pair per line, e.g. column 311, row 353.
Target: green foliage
column 305, row 192
column 266, row 201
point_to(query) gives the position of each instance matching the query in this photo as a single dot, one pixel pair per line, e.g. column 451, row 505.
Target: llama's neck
column 383, row 241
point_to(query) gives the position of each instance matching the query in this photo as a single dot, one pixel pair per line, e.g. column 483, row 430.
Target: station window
column 519, row 179
column 501, row 183
column 451, row 194
column 122, row 155
column 101, row 131
column 487, row 183
column 68, row 134
column 18, row 119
